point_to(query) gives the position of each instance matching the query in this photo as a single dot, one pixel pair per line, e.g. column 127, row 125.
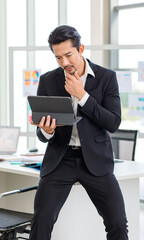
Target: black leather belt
column 75, row 147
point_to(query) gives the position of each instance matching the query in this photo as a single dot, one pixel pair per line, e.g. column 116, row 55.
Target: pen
column 14, row 163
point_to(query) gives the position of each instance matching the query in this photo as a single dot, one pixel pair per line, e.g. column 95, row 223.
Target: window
column 20, row 14
column 78, row 16
column 28, row 25
column 16, row 23
column 46, row 19
column 130, row 32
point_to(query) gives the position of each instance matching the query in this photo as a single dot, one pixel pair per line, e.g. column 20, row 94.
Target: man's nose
column 65, row 62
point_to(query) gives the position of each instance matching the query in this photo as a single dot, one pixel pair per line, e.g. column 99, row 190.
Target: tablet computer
column 57, row 107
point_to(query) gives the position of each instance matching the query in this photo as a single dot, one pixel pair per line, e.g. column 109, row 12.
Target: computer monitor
column 9, row 137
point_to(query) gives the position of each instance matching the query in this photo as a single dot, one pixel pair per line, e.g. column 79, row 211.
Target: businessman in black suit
column 83, row 152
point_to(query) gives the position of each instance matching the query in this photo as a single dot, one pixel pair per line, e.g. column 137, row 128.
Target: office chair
column 124, row 144
column 13, row 223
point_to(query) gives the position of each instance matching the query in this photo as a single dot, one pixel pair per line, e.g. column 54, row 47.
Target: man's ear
column 81, row 49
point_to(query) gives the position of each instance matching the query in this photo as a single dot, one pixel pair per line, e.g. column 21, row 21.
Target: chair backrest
column 124, row 144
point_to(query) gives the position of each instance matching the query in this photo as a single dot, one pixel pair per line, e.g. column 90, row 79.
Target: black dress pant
column 55, row 187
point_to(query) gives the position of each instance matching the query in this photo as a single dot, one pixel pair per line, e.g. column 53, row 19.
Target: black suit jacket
column 100, row 114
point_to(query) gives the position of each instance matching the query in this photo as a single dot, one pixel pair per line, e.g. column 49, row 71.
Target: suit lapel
column 89, row 83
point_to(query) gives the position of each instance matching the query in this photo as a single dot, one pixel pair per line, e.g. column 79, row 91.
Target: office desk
column 78, row 218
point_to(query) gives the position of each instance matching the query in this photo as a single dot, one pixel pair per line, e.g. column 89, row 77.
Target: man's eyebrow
column 68, row 53
column 64, row 54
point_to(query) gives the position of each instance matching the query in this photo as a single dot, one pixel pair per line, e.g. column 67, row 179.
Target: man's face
column 68, row 57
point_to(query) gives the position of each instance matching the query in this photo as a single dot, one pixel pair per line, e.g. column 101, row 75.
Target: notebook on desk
column 9, row 137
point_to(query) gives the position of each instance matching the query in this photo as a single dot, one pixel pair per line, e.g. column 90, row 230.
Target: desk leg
column 131, row 193
column 24, row 201
column 78, row 218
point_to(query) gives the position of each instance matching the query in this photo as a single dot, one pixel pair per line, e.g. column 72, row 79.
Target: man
column 83, row 152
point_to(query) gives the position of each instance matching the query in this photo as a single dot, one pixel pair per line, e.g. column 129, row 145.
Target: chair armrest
column 21, row 190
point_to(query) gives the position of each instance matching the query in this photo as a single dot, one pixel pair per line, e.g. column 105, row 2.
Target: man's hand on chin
column 74, row 85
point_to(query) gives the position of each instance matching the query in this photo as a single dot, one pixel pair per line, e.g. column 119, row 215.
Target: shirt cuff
column 83, row 100
column 46, row 135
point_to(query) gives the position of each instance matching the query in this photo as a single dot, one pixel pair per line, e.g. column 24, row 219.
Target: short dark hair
column 63, row 33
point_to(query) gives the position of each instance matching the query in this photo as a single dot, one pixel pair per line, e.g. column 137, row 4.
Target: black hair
column 63, row 33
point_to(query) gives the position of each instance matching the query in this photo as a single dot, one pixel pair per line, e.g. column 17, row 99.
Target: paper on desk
column 23, row 159
column 11, row 157
column 29, row 154
column 32, row 159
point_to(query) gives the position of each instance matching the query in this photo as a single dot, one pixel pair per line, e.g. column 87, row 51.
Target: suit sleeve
column 107, row 113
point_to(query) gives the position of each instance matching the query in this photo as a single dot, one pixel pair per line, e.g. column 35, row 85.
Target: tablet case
column 59, row 108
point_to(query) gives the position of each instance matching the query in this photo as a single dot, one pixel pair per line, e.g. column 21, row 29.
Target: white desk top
column 123, row 170
column 129, row 170
column 7, row 167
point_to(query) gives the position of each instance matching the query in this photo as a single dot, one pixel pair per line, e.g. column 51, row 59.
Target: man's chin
column 72, row 72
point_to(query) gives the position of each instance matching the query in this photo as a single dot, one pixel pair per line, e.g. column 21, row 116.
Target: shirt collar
column 88, row 69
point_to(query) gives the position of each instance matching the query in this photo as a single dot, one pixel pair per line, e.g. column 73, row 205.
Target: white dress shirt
column 74, row 141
